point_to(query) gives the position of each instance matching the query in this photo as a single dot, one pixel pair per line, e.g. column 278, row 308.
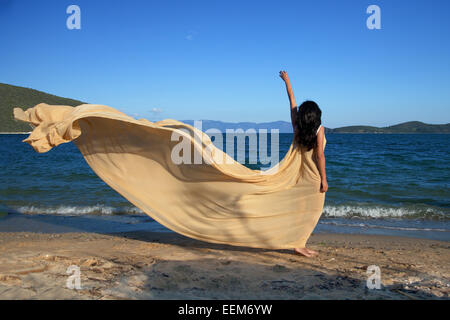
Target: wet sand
column 155, row 265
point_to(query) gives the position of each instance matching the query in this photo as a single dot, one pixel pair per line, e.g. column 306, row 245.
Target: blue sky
column 219, row 60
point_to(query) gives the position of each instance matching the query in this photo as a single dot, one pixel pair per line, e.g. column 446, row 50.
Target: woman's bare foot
column 304, row 252
column 312, row 251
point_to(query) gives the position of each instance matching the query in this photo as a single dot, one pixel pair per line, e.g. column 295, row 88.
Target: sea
column 380, row 184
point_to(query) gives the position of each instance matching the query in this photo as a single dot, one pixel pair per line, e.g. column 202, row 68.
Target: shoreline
column 326, row 132
column 13, row 221
column 163, row 265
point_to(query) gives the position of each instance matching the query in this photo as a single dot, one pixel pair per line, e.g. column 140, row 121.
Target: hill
column 406, row 127
column 13, row 96
column 283, row 126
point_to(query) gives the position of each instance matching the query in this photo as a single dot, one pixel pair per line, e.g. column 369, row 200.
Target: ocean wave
column 377, row 212
column 329, row 211
column 68, row 210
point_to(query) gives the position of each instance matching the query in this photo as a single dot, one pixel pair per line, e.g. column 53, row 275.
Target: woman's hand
column 324, row 186
column 284, row 76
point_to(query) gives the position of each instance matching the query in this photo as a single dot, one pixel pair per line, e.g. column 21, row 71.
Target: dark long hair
column 307, row 122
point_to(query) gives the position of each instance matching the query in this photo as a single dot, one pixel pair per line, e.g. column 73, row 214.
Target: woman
column 309, row 133
column 214, row 201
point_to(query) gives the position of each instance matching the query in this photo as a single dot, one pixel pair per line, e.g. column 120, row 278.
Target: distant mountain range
column 14, row 96
column 405, row 127
column 286, row 127
column 283, row 126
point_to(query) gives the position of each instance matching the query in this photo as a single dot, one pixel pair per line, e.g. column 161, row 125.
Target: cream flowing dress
column 216, row 201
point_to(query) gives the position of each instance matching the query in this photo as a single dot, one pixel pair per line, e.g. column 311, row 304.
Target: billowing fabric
column 216, row 201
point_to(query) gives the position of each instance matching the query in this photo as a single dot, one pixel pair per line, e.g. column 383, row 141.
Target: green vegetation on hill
column 406, row 127
column 13, row 96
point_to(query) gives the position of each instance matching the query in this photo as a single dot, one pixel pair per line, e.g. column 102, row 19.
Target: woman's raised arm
column 285, row 77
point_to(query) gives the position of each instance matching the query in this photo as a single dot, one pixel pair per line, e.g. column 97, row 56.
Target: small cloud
column 190, row 35
column 156, row 110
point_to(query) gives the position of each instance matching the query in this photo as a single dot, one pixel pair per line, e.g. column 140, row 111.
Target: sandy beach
column 158, row 265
